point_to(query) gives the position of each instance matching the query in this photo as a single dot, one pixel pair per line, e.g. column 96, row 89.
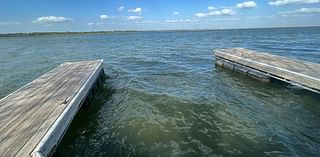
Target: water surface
column 163, row 95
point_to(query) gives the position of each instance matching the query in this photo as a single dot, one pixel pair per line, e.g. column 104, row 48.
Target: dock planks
column 301, row 73
column 34, row 118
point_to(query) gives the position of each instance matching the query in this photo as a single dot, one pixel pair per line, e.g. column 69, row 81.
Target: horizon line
column 151, row 30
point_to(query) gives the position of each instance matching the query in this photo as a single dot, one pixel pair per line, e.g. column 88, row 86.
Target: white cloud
column 100, row 23
column 302, row 11
column 95, row 24
column 260, row 17
column 214, row 13
column 134, row 17
column 51, row 19
column 223, row 12
column 182, row 21
column 227, row 19
column 104, row 17
column 247, row 5
column 291, row 2
column 200, row 15
column 146, row 22
column 120, row 8
column 136, row 10
column 227, row 12
column 176, row 13
column 211, row 8
column 9, row 23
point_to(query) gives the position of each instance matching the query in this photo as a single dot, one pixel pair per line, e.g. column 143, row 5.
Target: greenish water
column 163, row 95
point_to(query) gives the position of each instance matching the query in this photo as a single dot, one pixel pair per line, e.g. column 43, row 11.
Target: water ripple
column 163, row 95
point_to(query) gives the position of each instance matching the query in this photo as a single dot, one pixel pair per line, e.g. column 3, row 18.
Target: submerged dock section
column 265, row 66
column 34, row 118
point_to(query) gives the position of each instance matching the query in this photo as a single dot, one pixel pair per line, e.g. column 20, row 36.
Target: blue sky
column 95, row 15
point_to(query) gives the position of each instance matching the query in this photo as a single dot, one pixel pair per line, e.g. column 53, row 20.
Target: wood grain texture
column 27, row 114
column 305, row 74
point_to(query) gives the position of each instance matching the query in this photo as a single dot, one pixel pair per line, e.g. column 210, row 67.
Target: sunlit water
column 163, row 95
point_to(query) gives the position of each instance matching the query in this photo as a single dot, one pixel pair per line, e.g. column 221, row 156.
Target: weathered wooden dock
column 34, row 118
column 265, row 66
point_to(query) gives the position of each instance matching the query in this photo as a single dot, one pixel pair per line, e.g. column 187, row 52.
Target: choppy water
column 163, row 95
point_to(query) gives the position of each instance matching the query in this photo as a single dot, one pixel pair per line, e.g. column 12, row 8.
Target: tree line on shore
column 59, row 33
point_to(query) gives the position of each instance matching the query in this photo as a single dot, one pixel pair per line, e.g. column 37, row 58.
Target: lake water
column 163, row 95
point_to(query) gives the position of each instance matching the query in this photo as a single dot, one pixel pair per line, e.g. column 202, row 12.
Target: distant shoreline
column 130, row 31
column 59, row 33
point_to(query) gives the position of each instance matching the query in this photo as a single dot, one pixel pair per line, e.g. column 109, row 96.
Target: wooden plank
column 55, row 133
column 7, row 134
column 28, row 114
column 53, row 115
column 298, row 72
column 27, row 91
column 39, row 114
column 10, row 114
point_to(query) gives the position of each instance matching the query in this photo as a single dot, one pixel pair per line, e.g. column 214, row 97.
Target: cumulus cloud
column 211, row 8
column 227, row 12
column 292, row 2
column 136, row 10
column 104, row 17
column 200, row 15
column 223, row 12
column 247, row 5
column 134, row 17
column 51, row 19
column 120, row 8
column 302, row 11
column 176, row 13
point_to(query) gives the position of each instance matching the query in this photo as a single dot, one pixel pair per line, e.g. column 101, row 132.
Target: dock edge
column 234, row 66
column 54, row 135
column 222, row 59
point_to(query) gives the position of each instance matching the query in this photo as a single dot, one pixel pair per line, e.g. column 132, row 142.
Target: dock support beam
column 224, row 63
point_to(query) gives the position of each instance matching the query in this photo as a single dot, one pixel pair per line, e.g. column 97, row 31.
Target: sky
column 113, row 15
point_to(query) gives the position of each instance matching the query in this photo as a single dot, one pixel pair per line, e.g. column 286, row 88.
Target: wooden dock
column 34, row 118
column 264, row 66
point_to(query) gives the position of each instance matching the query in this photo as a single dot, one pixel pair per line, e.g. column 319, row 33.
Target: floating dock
column 34, row 118
column 265, row 66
